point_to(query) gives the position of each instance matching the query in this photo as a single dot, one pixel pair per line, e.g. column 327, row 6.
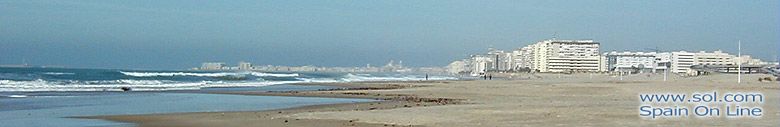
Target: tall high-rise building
column 566, row 56
column 244, row 65
column 681, row 62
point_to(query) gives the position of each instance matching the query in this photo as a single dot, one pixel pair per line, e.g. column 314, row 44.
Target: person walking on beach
column 426, row 77
column 491, row 77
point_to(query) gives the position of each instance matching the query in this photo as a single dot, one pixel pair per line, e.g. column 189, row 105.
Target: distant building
column 584, row 56
column 747, row 60
column 392, row 66
column 714, row 58
column 524, row 58
column 635, row 62
column 566, row 56
column 681, row 62
column 502, row 61
column 481, row 65
column 662, row 62
column 457, row 67
column 212, row 66
column 244, row 65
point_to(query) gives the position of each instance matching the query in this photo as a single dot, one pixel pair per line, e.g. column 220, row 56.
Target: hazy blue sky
column 176, row 34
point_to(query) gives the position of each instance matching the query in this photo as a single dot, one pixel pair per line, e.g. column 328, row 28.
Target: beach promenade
column 541, row 100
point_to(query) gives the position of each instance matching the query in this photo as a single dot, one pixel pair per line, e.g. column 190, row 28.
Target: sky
column 180, row 34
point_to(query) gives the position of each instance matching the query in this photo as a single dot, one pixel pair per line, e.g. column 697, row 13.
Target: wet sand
column 538, row 100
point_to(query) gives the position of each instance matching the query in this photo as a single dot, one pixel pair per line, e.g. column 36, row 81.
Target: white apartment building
column 714, row 58
column 457, row 67
column 523, row 57
column 502, row 61
column 639, row 62
column 681, row 62
column 747, row 60
column 244, row 65
column 567, row 56
column 212, row 66
column 481, row 64
column 663, row 62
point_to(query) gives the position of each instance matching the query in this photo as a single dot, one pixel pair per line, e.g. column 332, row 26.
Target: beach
column 532, row 100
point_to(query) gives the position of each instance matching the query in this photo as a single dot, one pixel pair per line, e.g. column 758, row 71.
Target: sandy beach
column 529, row 100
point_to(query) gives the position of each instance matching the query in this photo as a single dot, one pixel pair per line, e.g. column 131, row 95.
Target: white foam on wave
column 165, row 85
column 319, row 80
column 215, row 74
column 17, row 96
column 58, row 73
column 116, row 85
column 249, row 84
column 261, row 74
column 168, row 74
column 141, row 85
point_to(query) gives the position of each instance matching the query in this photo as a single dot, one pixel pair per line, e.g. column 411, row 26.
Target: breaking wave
column 17, row 96
column 117, row 85
column 261, row 74
column 168, row 74
column 214, row 74
column 34, row 80
column 58, row 73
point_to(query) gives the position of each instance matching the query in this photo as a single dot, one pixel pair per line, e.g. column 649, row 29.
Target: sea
column 53, row 96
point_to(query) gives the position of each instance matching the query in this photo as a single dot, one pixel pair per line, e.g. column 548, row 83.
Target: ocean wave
column 42, row 85
column 249, row 84
column 58, row 73
column 215, row 74
column 319, row 80
column 13, row 85
column 117, row 85
column 261, row 74
column 168, row 74
column 17, row 96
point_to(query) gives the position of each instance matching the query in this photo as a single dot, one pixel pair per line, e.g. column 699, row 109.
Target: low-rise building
column 212, row 66
column 635, row 62
column 681, row 62
column 714, row 58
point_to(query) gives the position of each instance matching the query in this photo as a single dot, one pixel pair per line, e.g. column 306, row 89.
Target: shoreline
column 552, row 100
column 274, row 116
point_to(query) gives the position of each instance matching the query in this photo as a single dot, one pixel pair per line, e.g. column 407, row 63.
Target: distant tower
column 390, row 64
column 244, row 65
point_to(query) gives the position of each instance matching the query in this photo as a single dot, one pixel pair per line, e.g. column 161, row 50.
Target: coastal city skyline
column 150, row 35
column 601, row 66
column 389, row 63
